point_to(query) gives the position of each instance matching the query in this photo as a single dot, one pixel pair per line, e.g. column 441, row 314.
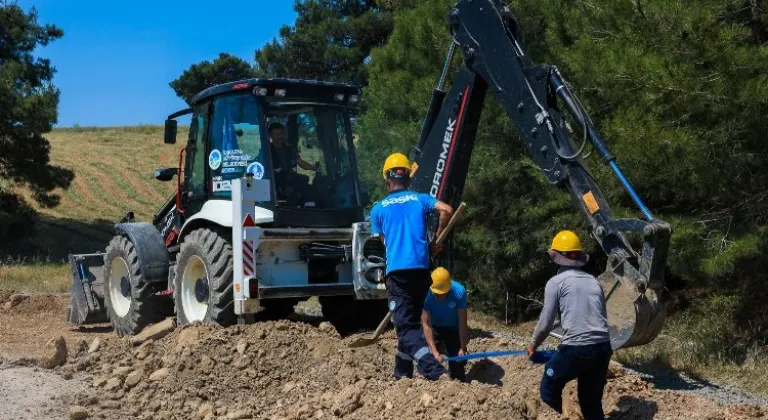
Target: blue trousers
column 451, row 340
column 406, row 291
column 589, row 365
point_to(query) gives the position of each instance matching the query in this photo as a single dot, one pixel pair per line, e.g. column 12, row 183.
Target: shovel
column 538, row 356
column 367, row 341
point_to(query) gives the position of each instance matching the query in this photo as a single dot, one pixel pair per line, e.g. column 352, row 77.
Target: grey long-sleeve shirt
column 578, row 298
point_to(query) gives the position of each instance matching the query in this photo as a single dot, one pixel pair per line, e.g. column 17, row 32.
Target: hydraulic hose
column 577, row 111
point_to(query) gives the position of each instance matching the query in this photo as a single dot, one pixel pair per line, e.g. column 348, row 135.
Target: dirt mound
column 30, row 304
column 36, row 304
column 293, row 370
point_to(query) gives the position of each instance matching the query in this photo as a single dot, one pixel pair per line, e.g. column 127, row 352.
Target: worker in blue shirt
column 401, row 219
column 444, row 320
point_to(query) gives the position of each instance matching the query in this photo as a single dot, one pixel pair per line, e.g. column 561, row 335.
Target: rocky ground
column 289, row 369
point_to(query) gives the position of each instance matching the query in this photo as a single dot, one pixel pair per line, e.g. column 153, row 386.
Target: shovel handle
column 539, row 356
column 382, row 324
column 450, row 224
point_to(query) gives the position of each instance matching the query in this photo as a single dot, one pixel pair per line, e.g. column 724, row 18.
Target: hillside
column 114, row 174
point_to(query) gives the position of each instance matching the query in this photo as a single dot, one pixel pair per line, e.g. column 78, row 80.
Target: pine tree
column 28, row 109
column 198, row 77
column 677, row 89
column 330, row 40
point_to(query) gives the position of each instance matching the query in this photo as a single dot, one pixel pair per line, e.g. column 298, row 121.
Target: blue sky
column 117, row 57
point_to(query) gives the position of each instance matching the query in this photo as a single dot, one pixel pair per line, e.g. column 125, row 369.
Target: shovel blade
column 363, row 342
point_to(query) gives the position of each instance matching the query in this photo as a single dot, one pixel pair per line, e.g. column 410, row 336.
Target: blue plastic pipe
column 538, row 357
column 631, row 191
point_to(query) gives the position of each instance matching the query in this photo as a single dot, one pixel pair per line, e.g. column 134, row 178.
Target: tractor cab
column 295, row 133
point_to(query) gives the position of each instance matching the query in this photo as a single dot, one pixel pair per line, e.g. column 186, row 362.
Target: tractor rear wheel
column 130, row 301
column 203, row 289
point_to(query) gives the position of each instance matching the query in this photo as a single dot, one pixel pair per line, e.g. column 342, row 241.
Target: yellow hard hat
column 566, row 241
column 395, row 160
column 441, row 281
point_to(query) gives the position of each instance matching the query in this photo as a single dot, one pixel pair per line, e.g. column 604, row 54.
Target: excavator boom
column 494, row 59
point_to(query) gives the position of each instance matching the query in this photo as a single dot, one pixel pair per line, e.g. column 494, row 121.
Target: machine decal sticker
column 214, row 159
column 257, row 169
column 222, row 186
column 591, row 203
column 228, row 170
column 248, row 258
column 248, row 221
column 235, row 158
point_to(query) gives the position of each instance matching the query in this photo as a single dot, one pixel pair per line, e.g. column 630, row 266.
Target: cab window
column 236, row 145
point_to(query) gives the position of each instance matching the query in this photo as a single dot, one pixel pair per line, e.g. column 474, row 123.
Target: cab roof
column 293, row 87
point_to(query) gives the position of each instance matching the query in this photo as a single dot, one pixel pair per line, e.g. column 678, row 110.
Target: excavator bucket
column 635, row 316
column 86, row 304
column 633, row 284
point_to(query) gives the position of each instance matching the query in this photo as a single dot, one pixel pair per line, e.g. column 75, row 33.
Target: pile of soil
column 27, row 304
column 294, row 370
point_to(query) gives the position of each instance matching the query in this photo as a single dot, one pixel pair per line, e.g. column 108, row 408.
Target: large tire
column 203, row 289
column 130, row 301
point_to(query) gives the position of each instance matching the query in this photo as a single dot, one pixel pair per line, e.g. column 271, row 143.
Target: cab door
column 195, row 190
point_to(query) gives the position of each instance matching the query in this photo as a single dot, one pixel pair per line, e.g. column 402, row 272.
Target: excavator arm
column 494, row 59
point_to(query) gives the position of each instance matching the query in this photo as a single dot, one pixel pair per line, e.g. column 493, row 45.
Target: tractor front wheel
column 203, row 283
column 130, row 301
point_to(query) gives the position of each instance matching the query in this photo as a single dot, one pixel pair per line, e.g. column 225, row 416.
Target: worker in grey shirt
column 585, row 349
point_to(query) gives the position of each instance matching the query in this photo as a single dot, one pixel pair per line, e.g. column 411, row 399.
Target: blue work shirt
column 402, row 218
column 445, row 313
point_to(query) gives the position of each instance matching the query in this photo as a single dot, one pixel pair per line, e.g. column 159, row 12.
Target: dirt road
column 291, row 369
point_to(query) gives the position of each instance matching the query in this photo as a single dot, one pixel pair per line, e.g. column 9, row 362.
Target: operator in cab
column 585, row 349
column 400, row 220
column 290, row 184
column 444, row 320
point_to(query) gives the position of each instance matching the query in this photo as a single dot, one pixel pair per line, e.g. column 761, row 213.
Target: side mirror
column 166, row 174
column 171, row 126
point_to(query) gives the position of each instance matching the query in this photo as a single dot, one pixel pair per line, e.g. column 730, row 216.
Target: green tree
column 28, row 108
column 198, row 77
column 679, row 91
column 330, row 40
column 512, row 210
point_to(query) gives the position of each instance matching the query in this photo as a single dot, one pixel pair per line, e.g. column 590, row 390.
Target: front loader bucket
column 86, row 303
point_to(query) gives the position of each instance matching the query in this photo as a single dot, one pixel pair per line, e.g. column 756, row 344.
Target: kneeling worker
column 444, row 320
column 585, row 350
